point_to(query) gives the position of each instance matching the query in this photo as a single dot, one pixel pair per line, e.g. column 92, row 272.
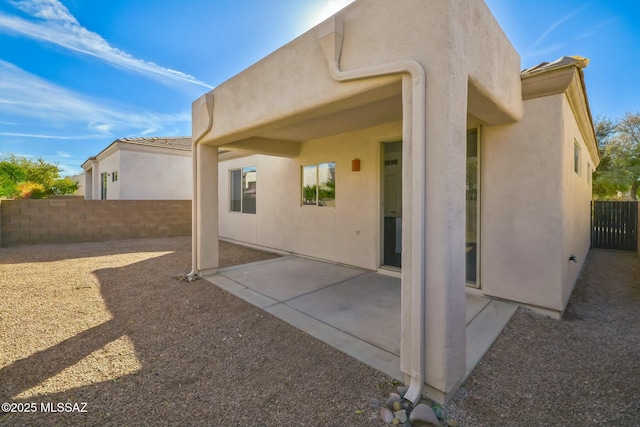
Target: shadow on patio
column 163, row 351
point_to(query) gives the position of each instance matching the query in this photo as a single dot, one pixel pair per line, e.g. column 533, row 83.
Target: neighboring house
column 406, row 137
column 80, row 180
column 149, row 168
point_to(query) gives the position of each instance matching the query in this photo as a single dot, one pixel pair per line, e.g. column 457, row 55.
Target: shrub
column 30, row 190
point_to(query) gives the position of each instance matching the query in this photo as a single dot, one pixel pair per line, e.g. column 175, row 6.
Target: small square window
column 319, row 185
column 242, row 191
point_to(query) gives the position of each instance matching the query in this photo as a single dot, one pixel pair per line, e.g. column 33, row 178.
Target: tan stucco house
column 406, row 137
column 144, row 168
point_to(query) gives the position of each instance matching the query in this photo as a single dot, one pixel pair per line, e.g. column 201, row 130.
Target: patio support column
column 97, row 180
column 445, row 335
column 207, row 208
column 443, row 255
column 88, row 183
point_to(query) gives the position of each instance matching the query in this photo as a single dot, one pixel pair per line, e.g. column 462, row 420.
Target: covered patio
column 354, row 310
column 334, row 96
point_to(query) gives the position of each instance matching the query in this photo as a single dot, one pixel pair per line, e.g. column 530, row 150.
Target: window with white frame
column 114, row 176
column 319, row 185
column 242, row 190
column 576, row 157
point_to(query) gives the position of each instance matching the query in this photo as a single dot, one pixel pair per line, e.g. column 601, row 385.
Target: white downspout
column 208, row 100
column 331, row 37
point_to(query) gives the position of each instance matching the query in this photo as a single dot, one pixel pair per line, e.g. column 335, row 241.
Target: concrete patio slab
column 483, row 331
column 355, row 347
column 243, row 292
column 353, row 310
column 366, row 306
column 475, row 304
column 289, row 277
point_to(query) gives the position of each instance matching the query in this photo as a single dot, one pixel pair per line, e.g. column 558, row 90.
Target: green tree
column 10, row 175
column 619, row 145
column 24, row 177
column 604, row 183
column 628, row 149
column 63, row 186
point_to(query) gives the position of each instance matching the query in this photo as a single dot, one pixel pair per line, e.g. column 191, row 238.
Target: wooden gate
column 614, row 225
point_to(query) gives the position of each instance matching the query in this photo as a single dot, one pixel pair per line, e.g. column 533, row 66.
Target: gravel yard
column 581, row 371
column 109, row 325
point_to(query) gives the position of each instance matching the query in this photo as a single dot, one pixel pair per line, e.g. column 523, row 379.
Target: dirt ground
column 581, row 371
column 109, row 325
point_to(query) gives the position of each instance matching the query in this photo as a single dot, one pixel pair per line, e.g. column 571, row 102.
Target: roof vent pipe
column 331, row 35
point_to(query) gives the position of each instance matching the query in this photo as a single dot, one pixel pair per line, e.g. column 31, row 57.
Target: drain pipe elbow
column 331, row 36
column 202, row 106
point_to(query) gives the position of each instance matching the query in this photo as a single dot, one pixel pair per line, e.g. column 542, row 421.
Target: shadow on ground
column 205, row 358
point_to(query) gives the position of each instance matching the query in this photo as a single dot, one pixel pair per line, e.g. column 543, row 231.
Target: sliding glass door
column 472, row 246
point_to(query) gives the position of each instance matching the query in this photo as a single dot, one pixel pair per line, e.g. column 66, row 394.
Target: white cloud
column 543, row 52
column 55, row 24
column 46, row 9
column 594, row 29
column 44, row 136
column 22, row 95
column 551, row 29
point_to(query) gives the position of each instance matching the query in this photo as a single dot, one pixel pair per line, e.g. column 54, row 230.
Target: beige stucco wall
column 494, row 88
column 521, row 206
column 88, row 183
column 92, row 180
column 470, row 67
column 535, row 208
column 157, row 175
column 110, row 164
column 576, row 203
column 80, row 180
column 144, row 173
column 348, row 233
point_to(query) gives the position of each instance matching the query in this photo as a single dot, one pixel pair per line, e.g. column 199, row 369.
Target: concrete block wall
column 28, row 222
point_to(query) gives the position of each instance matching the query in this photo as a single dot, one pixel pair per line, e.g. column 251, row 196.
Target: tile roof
column 565, row 61
column 175, row 142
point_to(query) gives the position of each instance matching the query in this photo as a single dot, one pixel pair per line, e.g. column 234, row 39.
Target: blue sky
column 77, row 74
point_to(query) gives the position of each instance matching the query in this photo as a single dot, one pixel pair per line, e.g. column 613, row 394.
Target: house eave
column 152, row 149
column 568, row 80
column 88, row 164
column 137, row 146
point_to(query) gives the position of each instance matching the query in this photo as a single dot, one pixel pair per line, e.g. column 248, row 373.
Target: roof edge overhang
column 136, row 144
column 154, row 149
column 158, row 142
column 88, row 163
column 568, row 80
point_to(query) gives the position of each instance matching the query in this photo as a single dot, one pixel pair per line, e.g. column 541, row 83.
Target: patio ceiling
column 383, row 111
column 378, row 106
